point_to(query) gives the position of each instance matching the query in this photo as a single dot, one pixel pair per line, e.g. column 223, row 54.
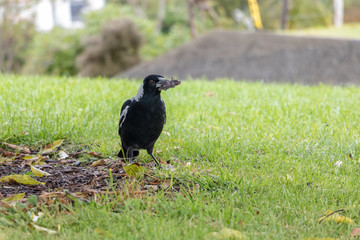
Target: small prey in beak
column 164, row 84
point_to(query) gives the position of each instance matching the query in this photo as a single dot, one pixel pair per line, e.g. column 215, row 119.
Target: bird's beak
column 165, row 84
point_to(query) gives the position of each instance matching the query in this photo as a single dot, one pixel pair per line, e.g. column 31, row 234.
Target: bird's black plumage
column 142, row 118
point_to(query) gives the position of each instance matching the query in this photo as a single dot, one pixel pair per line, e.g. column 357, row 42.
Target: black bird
column 142, row 117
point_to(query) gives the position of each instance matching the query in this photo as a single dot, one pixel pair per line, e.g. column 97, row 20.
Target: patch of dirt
column 64, row 176
column 81, row 173
column 259, row 56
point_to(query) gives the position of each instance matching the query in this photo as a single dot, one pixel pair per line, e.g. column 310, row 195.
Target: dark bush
column 114, row 50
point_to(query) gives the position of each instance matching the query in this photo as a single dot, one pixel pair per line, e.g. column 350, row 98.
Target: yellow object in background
column 255, row 13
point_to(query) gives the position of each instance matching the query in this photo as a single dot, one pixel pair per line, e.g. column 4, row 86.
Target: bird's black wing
column 123, row 113
column 163, row 103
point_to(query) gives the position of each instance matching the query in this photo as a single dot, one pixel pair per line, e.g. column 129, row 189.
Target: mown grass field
column 349, row 30
column 270, row 159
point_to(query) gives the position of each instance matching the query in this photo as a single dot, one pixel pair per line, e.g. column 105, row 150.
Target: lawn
column 350, row 30
column 267, row 160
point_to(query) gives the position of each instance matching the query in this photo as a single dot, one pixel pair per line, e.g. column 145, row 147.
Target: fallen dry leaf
column 151, row 187
column 41, row 229
column 166, row 184
column 51, row 147
column 226, row 233
column 98, row 163
column 16, row 197
column 22, row 179
column 94, row 154
column 316, row 238
column 355, row 232
column 102, row 232
column 49, row 197
column 35, row 217
column 63, row 155
column 333, row 216
column 5, row 153
column 18, row 148
column 211, row 94
column 33, row 160
column 134, row 169
column 38, row 172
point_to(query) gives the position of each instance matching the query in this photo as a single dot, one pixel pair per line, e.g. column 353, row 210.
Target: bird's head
column 159, row 83
column 153, row 84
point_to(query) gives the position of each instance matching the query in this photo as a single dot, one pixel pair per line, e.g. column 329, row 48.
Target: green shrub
column 53, row 52
column 14, row 40
column 305, row 14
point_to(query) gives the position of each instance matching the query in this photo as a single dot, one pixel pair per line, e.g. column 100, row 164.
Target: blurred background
column 107, row 38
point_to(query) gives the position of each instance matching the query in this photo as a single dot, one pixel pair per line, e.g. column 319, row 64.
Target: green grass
column 264, row 156
column 346, row 31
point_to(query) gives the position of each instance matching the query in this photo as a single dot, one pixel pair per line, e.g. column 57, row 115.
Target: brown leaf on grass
column 33, row 160
column 48, row 198
column 87, row 190
column 79, row 196
column 75, row 154
column 355, row 232
column 64, row 197
column 5, row 153
column 17, row 148
column 94, row 154
column 151, row 187
column 166, row 184
column 51, row 147
column 4, row 205
column 211, row 94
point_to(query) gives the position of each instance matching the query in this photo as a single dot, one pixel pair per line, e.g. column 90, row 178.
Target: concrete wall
column 260, row 56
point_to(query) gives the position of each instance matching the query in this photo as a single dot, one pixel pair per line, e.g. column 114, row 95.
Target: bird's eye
column 151, row 81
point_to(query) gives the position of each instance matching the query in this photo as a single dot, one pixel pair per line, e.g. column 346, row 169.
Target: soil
column 259, row 56
column 80, row 174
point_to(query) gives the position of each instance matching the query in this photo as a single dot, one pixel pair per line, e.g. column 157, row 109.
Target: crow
column 142, row 117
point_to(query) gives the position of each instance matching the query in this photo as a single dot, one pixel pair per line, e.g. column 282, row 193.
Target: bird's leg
column 130, row 154
column 157, row 163
column 122, row 153
column 150, row 152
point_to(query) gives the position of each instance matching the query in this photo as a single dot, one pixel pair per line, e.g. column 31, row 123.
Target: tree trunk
column 284, row 17
column 191, row 4
column 161, row 15
column 53, row 12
